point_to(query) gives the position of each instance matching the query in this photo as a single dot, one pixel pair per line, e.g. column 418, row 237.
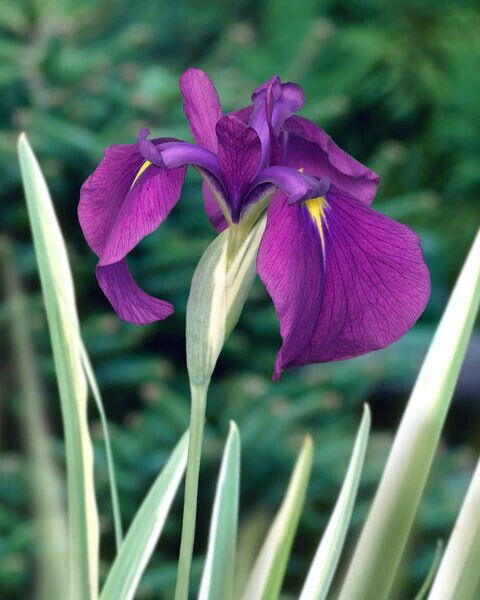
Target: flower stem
column 197, row 419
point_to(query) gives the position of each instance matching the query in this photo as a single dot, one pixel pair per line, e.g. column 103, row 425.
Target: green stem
column 197, row 419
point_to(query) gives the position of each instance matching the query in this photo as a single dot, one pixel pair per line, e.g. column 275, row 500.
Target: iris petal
column 102, row 194
column 176, row 154
column 130, row 302
column 310, row 148
column 290, row 264
column 273, row 103
column 358, row 291
column 293, row 182
column 239, row 153
column 202, row 106
column 125, row 199
column 147, row 204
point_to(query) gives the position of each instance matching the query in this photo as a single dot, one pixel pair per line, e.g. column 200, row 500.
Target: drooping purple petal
column 102, row 194
column 146, row 206
column 130, row 302
column 353, row 285
column 202, row 106
column 291, row 267
column 310, row 148
column 124, row 200
column 239, row 152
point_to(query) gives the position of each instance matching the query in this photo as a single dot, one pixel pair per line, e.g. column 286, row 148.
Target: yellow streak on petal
column 317, row 207
column 145, row 166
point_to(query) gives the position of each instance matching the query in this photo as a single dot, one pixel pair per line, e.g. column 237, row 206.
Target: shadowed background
column 396, row 84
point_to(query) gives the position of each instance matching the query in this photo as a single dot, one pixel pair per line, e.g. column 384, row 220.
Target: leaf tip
column 308, row 444
column 22, row 140
column 367, row 415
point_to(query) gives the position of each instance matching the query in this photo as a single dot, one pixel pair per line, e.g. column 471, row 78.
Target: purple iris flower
column 344, row 279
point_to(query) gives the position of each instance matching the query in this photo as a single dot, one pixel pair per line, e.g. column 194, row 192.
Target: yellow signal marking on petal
column 145, row 166
column 317, row 207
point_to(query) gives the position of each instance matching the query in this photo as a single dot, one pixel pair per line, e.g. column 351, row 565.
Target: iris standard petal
column 371, row 283
column 310, row 148
column 239, row 153
column 130, row 302
column 202, row 106
column 273, row 103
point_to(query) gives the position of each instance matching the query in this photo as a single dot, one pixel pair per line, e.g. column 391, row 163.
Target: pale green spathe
column 220, row 286
column 384, row 536
column 219, row 290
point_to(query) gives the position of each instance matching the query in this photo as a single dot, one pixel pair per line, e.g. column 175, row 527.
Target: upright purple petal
column 354, row 280
column 239, row 152
column 244, row 114
column 202, row 106
column 273, row 103
column 278, row 101
column 313, row 150
column 130, row 302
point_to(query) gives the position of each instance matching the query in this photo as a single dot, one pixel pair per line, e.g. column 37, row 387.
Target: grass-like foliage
column 375, row 562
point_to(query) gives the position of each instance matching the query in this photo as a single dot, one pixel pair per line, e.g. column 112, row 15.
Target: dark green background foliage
column 396, row 84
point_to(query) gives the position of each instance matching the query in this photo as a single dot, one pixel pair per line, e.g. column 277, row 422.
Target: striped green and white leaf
column 385, row 534
column 117, row 521
column 326, row 558
column 459, row 574
column 267, row 575
column 59, row 298
column 218, row 572
column 127, row 569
